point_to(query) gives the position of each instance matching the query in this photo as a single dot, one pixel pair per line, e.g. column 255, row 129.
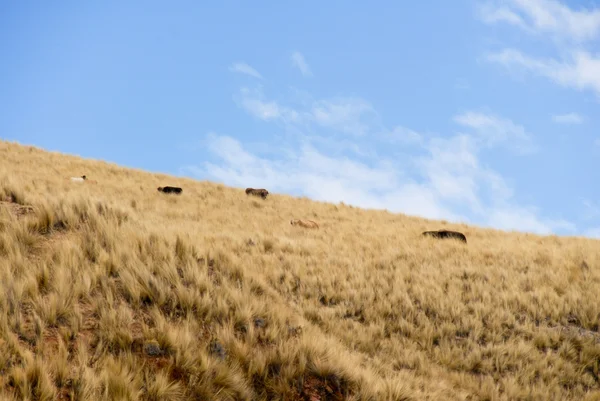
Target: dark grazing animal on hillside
column 446, row 234
column 170, row 190
column 263, row 193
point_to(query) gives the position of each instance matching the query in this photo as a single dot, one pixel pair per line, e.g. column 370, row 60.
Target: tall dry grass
column 114, row 291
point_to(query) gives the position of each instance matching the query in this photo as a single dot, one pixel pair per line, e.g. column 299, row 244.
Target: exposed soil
column 15, row 208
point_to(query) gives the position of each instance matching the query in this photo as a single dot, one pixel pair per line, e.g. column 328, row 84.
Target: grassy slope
column 114, row 291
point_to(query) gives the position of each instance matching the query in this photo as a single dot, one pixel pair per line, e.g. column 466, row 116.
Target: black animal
column 170, row 190
column 263, row 193
column 446, row 234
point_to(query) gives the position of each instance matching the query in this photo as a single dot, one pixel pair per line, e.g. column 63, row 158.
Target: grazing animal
column 446, row 234
column 170, row 190
column 304, row 223
column 263, row 193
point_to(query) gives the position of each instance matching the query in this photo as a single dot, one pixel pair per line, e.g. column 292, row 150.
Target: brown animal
column 263, row 193
column 304, row 223
column 170, row 190
column 446, row 234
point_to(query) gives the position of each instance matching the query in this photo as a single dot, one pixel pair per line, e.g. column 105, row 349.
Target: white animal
column 79, row 179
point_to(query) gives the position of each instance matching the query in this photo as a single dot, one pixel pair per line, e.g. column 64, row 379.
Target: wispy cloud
column 494, row 130
column 244, row 68
column 526, row 219
column 544, row 17
column 493, row 13
column 299, row 61
column 581, row 71
column 254, row 103
column 402, row 135
column 569, row 30
column 569, row 118
column 349, row 115
column 345, row 115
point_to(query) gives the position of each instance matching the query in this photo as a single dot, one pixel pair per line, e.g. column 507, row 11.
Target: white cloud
column 265, row 111
column 576, row 67
column 544, row 17
column 253, row 102
column 525, row 219
column 244, row 68
column 402, row 135
column 299, row 61
column 569, row 118
column 569, row 29
column 493, row 130
column 451, row 170
column 582, row 72
column 345, row 114
column 493, row 13
column 230, row 150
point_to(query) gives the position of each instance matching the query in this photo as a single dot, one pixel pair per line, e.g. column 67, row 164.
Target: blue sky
column 485, row 112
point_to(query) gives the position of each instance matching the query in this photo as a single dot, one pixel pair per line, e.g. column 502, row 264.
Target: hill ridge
column 114, row 290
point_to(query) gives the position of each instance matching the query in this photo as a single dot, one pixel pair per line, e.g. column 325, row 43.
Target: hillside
column 115, row 291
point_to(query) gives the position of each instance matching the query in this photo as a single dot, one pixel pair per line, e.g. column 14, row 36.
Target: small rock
column 241, row 328
column 259, row 322
column 250, row 243
column 294, row 331
column 217, row 349
column 151, row 348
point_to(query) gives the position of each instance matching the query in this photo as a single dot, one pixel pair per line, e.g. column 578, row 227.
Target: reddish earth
column 15, row 208
column 320, row 389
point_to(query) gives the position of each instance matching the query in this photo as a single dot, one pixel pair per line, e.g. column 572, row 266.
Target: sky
column 481, row 112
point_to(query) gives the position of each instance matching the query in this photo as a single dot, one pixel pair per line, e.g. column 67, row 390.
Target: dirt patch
column 314, row 388
column 16, row 209
column 157, row 364
column 578, row 332
column 63, row 394
column 47, row 243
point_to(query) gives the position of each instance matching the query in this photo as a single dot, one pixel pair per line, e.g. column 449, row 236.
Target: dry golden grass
column 114, row 291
